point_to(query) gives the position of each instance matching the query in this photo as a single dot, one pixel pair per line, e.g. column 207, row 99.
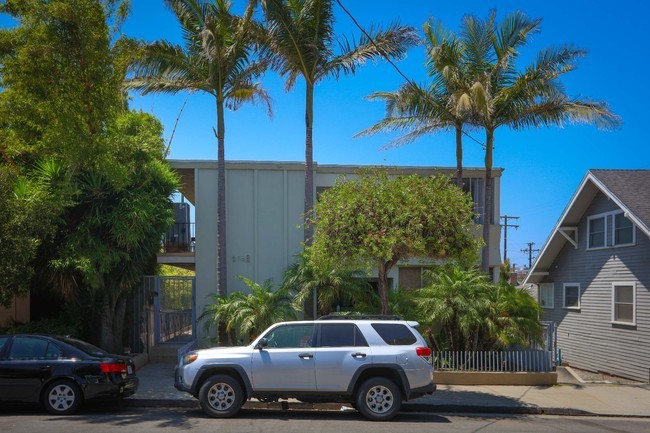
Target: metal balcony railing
column 180, row 238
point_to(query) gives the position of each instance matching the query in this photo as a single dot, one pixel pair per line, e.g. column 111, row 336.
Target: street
column 100, row 418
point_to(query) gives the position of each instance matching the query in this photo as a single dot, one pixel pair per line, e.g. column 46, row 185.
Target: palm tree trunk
column 459, row 156
column 309, row 163
column 222, row 262
column 487, row 210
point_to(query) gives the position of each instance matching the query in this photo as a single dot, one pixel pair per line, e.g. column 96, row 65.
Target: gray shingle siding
column 587, row 337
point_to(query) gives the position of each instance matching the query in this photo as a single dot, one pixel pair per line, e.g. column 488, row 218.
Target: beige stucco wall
column 18, row 311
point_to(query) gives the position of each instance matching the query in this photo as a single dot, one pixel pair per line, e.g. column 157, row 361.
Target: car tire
column 62, row 397
column 378, row 399
column 221, row 396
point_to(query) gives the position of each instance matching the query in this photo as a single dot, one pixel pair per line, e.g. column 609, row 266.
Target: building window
column 411, row 277
column 623, row 230
column 572, row 296
column 547, row 295
column 624, row 303
column 597, row 231
column 611, row 229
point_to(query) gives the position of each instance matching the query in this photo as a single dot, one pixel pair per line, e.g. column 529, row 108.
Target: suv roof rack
column 359, row 317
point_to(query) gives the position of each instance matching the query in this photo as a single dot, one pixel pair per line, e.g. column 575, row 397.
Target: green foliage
column 250, row 314
column 60, row 90
column 29, row 215
column 61, row 326
column 375, row 221
column 462, row 311
column 334, row 286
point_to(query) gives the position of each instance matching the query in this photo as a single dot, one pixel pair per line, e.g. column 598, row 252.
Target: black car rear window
column 84, row 347
column 395, row 334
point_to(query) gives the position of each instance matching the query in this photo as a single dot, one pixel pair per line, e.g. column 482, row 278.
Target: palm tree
column 441, row 105
column 301, row 43
column 251, row 313
column 331, row 286
column 501, row 95
column 217, row 58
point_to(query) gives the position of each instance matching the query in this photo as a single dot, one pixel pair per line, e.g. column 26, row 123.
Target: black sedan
column 61, row 372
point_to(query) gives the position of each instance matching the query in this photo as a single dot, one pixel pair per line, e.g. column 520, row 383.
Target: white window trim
column 610, row 228
column 552, row 287
column 625, row 283
column 595, row 217
column 614, row 231
column 564, row 305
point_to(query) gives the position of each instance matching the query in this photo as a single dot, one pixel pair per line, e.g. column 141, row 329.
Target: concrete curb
column 406, row 407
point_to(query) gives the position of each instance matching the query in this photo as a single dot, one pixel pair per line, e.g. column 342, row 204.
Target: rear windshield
column 85, row 347
column 395, row 334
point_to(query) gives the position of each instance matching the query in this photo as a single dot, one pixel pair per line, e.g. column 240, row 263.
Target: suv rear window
column 395, row 334
column 341, row 335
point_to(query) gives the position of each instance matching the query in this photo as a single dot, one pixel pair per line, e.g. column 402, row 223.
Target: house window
column 572, row 296
column 624, row 303
column 597, row 231
column 547, row 295
column 623, row 230
column 611, row 229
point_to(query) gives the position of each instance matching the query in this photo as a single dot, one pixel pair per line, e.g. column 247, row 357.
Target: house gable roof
column 629, row 189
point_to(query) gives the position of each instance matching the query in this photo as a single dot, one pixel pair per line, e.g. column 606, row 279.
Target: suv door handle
column 305, row 356
column 358, row 355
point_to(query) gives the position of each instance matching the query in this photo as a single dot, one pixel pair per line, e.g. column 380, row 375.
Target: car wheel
column 62, row 397
column 378, row 399
column 221, row 396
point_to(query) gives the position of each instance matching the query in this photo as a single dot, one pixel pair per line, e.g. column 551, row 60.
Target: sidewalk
column 569, row 398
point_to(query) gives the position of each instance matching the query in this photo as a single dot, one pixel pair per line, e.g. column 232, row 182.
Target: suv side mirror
column 263, row 343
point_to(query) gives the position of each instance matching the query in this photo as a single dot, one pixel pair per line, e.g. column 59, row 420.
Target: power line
column 412, row 83
column 530, row 252
column 505, row 225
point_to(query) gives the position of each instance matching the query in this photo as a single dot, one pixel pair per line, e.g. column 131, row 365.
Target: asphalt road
column 99, row 419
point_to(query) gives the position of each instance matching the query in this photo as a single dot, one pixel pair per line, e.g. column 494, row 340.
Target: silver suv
column 372, row 362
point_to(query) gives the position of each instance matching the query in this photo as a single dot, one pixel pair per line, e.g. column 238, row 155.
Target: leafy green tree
column 59, row 86
column 376, row 221
column 461, row 310
column 301, row 42
column 251, row 313
column 503, row 95
column 332, row 286
column 28, row 216
column 111, row 234
column 97, row 168
column 419, row 111
column 217, row 57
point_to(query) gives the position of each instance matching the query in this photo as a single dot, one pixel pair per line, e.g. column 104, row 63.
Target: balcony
column 178, row 246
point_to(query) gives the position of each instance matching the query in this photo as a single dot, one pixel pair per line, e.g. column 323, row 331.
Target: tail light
column 425, row 353
column 112, row 367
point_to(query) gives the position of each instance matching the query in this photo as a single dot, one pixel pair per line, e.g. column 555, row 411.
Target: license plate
column 129, row 369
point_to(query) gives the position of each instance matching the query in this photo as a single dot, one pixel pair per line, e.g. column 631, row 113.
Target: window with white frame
column 547, row 295
column 623, row 230
column 572, row 296
column 597, row 231
column 624, row 303
column 610, row 229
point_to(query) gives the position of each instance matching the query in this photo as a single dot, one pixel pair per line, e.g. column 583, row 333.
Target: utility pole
column 505, row 225
column 530, row 252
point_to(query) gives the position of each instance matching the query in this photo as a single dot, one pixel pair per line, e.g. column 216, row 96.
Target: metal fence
column 495, row 361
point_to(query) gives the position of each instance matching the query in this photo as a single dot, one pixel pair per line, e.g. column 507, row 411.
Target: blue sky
column 542, row 167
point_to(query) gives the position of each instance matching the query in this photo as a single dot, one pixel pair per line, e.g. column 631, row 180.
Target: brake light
column 112, row 367
column 425, row 353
